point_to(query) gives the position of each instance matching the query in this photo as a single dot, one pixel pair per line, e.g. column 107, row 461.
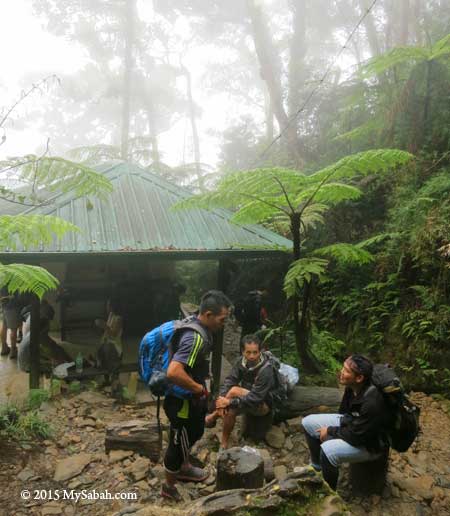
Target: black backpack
column 403, row 425
column 248, row 310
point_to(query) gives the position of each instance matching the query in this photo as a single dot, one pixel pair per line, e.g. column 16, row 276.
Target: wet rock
column 26, row 474
column 159, row 472
column 139, row 468
column 93, row 398
column 280, row 472
column 275, row 437
column 118, row 455
column 51, row 508
column 71, row 466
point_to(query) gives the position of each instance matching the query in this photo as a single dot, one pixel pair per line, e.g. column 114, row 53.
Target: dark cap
column 361, row 365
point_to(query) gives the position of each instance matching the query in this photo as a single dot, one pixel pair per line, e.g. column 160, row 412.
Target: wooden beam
column 35, row 366
column 216, row 364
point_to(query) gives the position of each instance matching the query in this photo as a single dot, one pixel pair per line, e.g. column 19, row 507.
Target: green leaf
column 362, row 164
column 346, row 254
column 329, row 193
column 26, row 278
column 31, row 230
column 397, row 56
column 303, row 271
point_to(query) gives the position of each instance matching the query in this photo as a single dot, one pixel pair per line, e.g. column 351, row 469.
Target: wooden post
column 35, row 369
column 216, row 365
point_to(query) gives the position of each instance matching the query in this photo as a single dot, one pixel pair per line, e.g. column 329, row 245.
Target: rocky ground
column 74, row 459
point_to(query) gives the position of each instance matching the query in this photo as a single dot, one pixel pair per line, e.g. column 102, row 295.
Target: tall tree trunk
column 390, row 11
column 297, row 55
column 404, row 23
column 371, row 31
column 127, row 76
column 270, row 73
column 193, row 121
column 301, row 328
column 154, row 151
column 269, row 116
column 417, row 19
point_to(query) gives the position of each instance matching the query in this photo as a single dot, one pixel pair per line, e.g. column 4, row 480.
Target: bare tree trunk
column 297, row 55
column 404, row 22
column 128, row 67
column 269, row 116
column 371, row 31
column 193, row 121
column 417, row 17
column 154, row 152
column 390, row 11
column 270, row 73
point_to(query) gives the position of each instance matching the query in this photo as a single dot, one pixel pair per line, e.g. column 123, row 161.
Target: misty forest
column 299, row 147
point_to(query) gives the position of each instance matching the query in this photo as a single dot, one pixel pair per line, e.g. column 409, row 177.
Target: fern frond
column 346, row 254
column 31, row 230
column 397, row 56
column 312, row 215
column 441, row 48
column 26, row 278
column 252, row 211
column 369, row 242
column 363, row 164
column 59, row 174
column 329, row 193
column 303, row 271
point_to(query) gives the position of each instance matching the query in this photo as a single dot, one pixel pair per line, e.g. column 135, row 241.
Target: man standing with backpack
column 188, row 369
column 359, row 433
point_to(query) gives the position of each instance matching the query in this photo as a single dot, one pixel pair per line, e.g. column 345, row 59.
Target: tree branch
column 267, row 203
column 283, row 189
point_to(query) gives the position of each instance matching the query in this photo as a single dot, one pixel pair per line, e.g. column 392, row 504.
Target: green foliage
column 22, row 425
column 328, row 350
column 31, row 230
column 346, row 254
column 303, row 271
column 36, row 397
column 27, row 278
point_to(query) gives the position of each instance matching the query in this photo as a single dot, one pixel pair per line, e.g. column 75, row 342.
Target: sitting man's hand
column 222, row 402
column 323, row 433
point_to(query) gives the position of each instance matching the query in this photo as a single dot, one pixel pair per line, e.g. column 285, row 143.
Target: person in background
column 251, row 312
column 109, row 355
column 11, row 321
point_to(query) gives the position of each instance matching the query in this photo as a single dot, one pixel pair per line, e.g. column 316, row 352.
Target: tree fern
column 303, row 271
column 58, row 174
column 346, row 254
column 26, row 278
column 31, row 230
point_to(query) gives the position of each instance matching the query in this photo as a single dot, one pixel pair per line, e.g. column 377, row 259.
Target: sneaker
column 192, row 474
column 171, row 493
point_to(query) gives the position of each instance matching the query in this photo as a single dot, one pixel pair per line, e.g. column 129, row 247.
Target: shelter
column 131, row 240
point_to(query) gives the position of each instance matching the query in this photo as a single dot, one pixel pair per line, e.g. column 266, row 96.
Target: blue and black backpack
column 156, row 351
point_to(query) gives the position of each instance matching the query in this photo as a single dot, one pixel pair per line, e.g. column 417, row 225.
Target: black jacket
column 259, row 381
column 365, row 419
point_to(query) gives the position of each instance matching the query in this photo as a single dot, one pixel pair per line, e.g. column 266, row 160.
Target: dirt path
column 418, row 481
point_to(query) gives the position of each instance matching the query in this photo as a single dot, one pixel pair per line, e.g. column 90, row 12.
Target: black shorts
column 187, row 424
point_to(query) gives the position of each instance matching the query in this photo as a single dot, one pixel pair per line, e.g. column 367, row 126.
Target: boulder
column 275, row 437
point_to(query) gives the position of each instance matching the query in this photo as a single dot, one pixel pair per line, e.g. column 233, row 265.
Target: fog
column 197, row 87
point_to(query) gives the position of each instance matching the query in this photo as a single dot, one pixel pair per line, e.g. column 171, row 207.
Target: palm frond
column 26, row 278
column 303, row 271
column 31, row 230
column 441, row 48
column 346, row 254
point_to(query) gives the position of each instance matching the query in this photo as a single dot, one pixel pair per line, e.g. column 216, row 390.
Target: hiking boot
column 191, row 473
column 5, row 351
column 13, row 353
column 171, row 493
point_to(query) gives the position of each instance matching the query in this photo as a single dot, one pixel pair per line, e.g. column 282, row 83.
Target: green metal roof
column 136, row 217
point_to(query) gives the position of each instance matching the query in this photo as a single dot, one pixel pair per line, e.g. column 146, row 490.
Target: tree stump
column 138, row 436
column 239, row 469
column 256, row 427
column 367, row 478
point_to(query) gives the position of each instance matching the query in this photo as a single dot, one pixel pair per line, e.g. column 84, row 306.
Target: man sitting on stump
column 357, row 433
column 246, row 389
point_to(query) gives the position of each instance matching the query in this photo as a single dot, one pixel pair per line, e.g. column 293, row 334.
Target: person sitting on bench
column 246, row 389
column 357, row 433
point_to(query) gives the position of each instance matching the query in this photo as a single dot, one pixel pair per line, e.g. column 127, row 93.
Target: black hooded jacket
column 259, row 380
column 365, row 420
